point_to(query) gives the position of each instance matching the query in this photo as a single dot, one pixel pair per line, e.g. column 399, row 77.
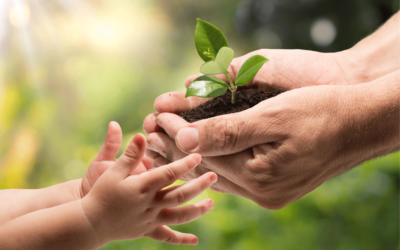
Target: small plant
column 212, row 47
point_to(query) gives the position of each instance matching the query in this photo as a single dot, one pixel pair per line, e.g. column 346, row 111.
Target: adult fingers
column 160, row 161
column 166, row 234
column 112, row 143
column 229, row 166
column 150, row 153
column 185, row 193
column 182, row 215
column 222, row 135
column 164, row 145
column 168, row 174
column 132, row 157
column 150, row 125
column 175, row 102
column 167, row 151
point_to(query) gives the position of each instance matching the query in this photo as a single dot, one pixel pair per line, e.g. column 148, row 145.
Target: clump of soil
column 245, row 98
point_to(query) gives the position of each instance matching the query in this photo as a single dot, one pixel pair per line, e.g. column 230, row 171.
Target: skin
column 124, row 202
column 343, row 109
column 23, row 201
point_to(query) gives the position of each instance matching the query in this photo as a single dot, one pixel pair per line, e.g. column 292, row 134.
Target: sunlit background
column 69, row 67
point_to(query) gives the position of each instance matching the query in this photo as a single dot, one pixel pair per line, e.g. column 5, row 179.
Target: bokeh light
column 19, row 14
column 69, row 67
column 323, row 32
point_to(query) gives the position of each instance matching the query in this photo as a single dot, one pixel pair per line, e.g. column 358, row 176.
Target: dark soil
column 245, row 98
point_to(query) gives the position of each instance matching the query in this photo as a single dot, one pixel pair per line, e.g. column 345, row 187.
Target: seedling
column 212, row 47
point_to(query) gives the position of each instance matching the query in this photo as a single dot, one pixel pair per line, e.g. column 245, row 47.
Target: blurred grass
column 70, row 71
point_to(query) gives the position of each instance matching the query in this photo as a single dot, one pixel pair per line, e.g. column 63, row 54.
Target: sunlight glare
column 19, row 14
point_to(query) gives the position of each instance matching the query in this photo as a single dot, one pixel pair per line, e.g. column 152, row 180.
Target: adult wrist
column 370, row 120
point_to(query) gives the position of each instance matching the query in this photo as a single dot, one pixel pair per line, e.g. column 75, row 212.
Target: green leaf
column 209, row 40
column 206, row 86
column 221, row 63
column 210, row 68
column 224, row 58
column 249, row 69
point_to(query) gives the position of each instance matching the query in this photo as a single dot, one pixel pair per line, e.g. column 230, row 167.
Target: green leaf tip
column 209, row 40
column 221, row 63
column 206, row 86
column 249, row 69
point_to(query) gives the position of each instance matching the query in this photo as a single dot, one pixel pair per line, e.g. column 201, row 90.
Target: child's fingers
column 112, row 144
column 181, row 215
column 168, row 174
column 166, row 234
column 147, row 162
column 132, row 156
column 139, row 169
column 187, row 192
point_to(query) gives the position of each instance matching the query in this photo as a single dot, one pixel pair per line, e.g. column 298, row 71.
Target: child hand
column 123, row 206
column 106, row 157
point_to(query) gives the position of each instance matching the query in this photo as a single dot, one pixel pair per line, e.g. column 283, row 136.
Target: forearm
column 60, row 227
column 376, row 55
column 372, row 119
column 17, row 202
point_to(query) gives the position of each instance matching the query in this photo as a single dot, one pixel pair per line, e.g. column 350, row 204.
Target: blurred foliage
column 70, row 67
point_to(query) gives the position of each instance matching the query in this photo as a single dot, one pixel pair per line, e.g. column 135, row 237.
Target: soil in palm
column 245, row 98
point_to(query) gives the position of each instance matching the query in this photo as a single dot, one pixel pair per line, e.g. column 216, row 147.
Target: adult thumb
column 222, row 135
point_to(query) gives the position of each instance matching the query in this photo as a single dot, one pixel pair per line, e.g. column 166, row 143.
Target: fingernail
column 213, row 178
column 194, row 242
column 188, row 138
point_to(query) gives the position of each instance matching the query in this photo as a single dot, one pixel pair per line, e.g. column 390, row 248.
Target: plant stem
column 232, row 86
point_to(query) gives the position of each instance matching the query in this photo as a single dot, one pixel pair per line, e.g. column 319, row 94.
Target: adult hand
column 283, row 148
column 286, row 146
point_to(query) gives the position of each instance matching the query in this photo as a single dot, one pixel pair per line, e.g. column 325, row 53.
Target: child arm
column 18, row 202
column 119, row 206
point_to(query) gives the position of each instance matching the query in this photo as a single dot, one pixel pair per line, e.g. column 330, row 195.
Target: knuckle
column 260, row 176
column 168, row 239
column 225, row 132
column 181, row 197
column 182, row 218
column 170, row 174
column 132, row 153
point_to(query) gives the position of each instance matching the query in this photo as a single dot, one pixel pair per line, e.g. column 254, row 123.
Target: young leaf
column 224, row 58
column 249, row 69
column 209, row 40
column 210, row 68
column 221, row 63
column 206, row 86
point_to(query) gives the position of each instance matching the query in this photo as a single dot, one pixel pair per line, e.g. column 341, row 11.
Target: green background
column 71, row 67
